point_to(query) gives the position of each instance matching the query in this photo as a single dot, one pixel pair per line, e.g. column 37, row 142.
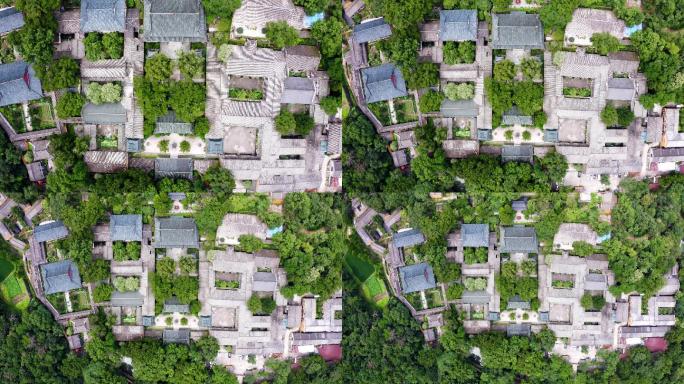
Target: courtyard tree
column 281, row 34
column 69, row 105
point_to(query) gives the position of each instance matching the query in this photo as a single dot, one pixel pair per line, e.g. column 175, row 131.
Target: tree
column 163, row 145
column 70, row 105
column 152, row 98
column 219, row 180
column 190, row 64
column 431, row 101
column 250, row 243
column 34, row 42
column 281, row 34
column 103, row 93
column 401, row 14
column 304, row 122
column 531, row 68
column 422, row 76
column 459, row 52
column 102, row 292
column 94, row 49
column 328, row 34
column 609, row 116
column 312, row 6
column 605, row 43
column 222, row 9
column 224, row 53
column 220, row 375
column 201, row 127
column 63, row 73
column 504, row 70
column 555, row 15
column 625, row 116
column 113, row 44
column 285, row 123
column 188, row 100
column 459, row 91
column 330, row 104
column 158, row 68
column 529, row 97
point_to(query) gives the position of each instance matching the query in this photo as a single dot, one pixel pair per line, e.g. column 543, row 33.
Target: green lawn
column 14, row 292
column 405, row 109
column 6, row 268
column 41, row 114
column 375, row 290
column 15, row 116
column 79, row 300
column 360, row 268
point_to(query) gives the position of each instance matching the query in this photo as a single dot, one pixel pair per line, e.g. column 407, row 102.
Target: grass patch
column 58, row 301
column 6, row 269
column 79, row 300
column 405, row 109
column 15, row 116
column 381, row 111
column 361, row 269
column 107, row 142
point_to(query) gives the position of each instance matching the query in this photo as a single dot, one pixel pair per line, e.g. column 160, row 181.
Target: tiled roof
column 125, row 227
column 109, row 113
column 126, row 299
column 586, row 22
column 61, row 276
column 417, row 277
column 10, row 20
column 459, row 149
column 408, row 238
column 475, row 235
column 174, row 20
column 458, row 108
column 103, row 15
column 514, row 116
column 519, row 204
column 104, row 70
column 170, row 123
column 205, row 321
column 518, row 330
column 255, row 14
column 334, row 139
column 520, row 153
column 302, row 58
column 264, row 282
column 53, row 230
column 458, row 25
column 551, row 135
column 18, row 83
column 172, row 305
column 298, row 90
column 518, row 239
column 177, row 336
column 36, row 171
column 106, row 161
column 372, row 30
column 484, row 134
column 621, row 89
column 165, row 167
column 384, row 82
column 175, row 232
column 517, row 30
column 475, row 297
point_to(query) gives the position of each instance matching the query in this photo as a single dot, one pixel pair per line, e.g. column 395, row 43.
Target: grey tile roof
column 298, row 90
column 384, row 82
column 458, row 25
column 475, row 235
column 109, row 113
column 459, row 149
column 126, row 299
column 417, row 277
column 134, row 145
column 484, row 134
column 620, row 89
column 458, row 108
column 53, row 230
column 103, row 15
column 10, row 20
column 36, row 171
column 177, row 336
column 408, row 238
column 172, row 305
column 551, row 135
column 517, row 30
column 302, row 58
column 61, row 276
column 518, row 239
column 519, row 204
column 516, row 302
column 515, row 116
column 170, row 123
column 520, row 153
column 174, row 20
column 177, row 196
column 215, row 146
column 334, row 139
column 125, row 227
column 18, row 83
column 372, row 30
column 264, row 282
column 175, row 232
column 148, row 321
column 166, row 167
column 518, row 330
column 544, row 317
column 205, row 321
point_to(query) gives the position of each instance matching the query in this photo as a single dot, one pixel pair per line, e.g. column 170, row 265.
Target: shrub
column 431, row 101
column 587, row 301
column 158, row 68
column 529, row 267
column 113, row 44
column 625, row 116
column 539, row 119
column 201, row 127
column 70, row 105
column 169, row 320
column 62, row 73
column 190, row 64
column 224, row 52
column 525, row 316
column 460, row 91
column 582, row 248
column 508, row 134
column 99, row 47
column 184, row 321
column 185, row 146
column 504, row 70
column 475, row 283
column 163, row 145
column 102, row 292
column 454, row 291
column 526, row 135
column 330, row 104
column 188, row 265
column 126, row 284
column 304, row 122
column 261, row 305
